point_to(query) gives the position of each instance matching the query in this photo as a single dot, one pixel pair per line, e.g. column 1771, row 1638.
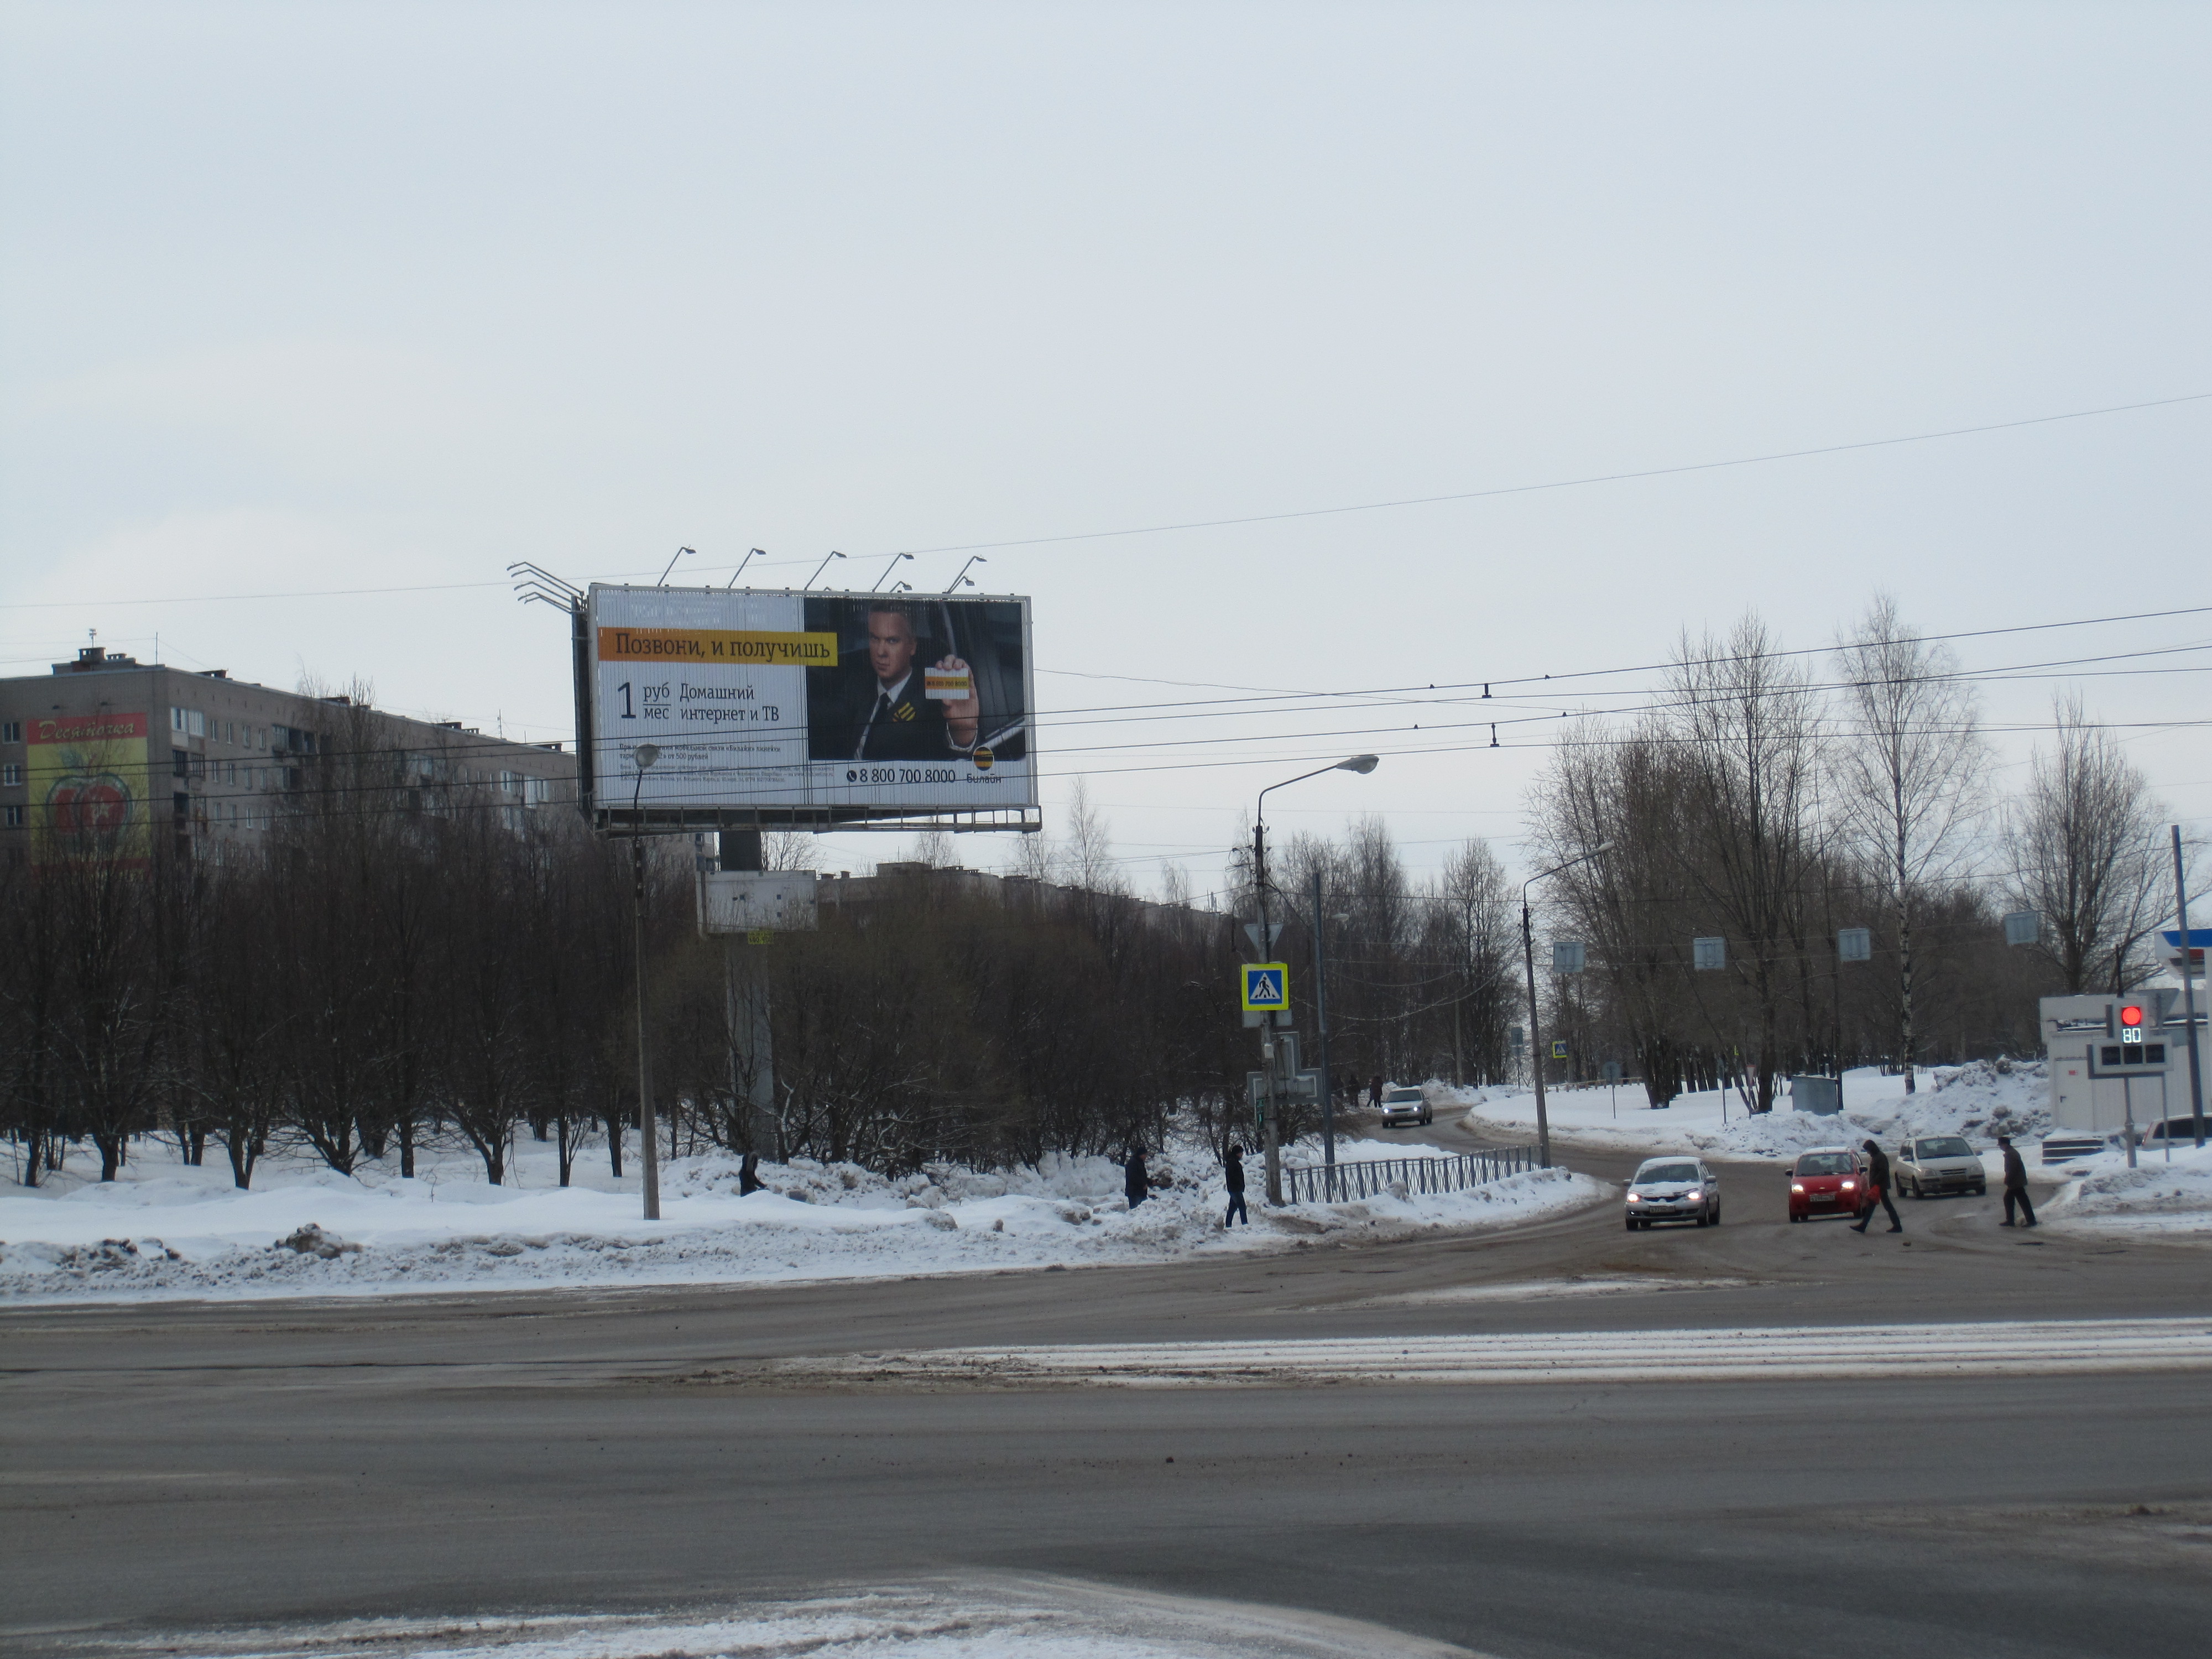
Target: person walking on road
column 1232, row 1173
column 1375, row 1093
column 1877, row 1191
column 2015, row 1185
column 1136, row 1179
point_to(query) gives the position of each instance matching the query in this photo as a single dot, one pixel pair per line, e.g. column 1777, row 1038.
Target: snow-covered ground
column 1979, row 1101
column 166, row 1230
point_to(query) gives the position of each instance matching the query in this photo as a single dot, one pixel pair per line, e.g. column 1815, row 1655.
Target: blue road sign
column 1266, row 987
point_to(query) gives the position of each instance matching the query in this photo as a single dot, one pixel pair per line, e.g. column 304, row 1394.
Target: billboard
column 89, row 787
column 809, row 707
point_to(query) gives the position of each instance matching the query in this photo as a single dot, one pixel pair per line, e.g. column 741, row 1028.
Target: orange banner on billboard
column 703, row 645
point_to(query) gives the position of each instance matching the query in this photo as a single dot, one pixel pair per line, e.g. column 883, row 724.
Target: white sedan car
column 1403, row 1105
column 1677, row 1188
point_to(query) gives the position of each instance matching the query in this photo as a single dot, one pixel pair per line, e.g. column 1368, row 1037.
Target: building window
column 11, row 732
column 181, row 763
column 12, row 773
column 191, row 721
column 14, row 817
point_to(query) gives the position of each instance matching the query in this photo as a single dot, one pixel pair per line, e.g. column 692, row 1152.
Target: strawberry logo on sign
column 89, row 805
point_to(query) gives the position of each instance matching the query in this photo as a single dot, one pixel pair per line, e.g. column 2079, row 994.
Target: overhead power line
column 1289, row 516
column 1566, row 483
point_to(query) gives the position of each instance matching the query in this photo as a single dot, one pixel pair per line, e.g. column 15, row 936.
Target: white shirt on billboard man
column 900, row 722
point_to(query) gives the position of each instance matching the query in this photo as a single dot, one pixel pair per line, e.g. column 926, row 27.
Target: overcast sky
column 302, row 298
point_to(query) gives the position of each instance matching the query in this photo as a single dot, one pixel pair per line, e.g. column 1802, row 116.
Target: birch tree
column 1914, row 774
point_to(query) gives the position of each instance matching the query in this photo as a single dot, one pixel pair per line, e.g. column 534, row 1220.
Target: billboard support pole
column 580, row 642
column 648, row 1148
column 747, row 1014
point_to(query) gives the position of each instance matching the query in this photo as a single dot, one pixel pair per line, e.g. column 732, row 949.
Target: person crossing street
column 1877, row 1190
column 1232, row 1175
column 2016, row 1186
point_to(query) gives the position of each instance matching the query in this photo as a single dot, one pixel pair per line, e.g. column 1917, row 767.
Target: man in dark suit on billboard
column 886, row 714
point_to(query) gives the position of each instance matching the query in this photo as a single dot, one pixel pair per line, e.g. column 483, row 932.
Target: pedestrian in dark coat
column 1136, row 1179
column 2015, row 1185
column 1877, row 1191
column 1375, row 1093
column 1232, row 1174
column 749, row 1181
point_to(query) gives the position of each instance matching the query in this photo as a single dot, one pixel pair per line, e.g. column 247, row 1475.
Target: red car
column 1826, row 1181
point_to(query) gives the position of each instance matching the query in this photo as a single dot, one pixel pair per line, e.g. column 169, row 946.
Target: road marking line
column 2022, row 1348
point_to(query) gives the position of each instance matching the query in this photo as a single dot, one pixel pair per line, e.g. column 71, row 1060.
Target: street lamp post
column 1536, row 1019
column 1272, row 1140
column 649, row 1138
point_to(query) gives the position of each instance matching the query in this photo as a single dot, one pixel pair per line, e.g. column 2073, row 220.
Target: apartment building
column 140, row 751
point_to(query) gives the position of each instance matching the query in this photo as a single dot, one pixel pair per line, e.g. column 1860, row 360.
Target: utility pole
column 1271, row 1137
column 2188, row 992
column 1535, row 1020
column 1535, row 1035
column 1320, row 1038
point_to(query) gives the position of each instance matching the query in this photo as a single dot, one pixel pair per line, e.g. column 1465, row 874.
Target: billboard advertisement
column 88, row 786
column 821, row 707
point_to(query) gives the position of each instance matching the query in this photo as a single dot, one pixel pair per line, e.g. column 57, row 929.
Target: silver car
column 1928, row 1165
column 1404, row 1105
column 1676, row 1188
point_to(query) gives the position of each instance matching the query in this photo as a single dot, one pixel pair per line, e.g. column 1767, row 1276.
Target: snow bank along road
column 185, row 1467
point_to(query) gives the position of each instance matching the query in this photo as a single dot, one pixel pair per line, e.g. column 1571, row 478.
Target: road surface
column 179, row 1469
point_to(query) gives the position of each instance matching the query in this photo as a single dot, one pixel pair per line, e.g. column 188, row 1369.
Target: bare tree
column 1745, row 723
column 1914, row 772
column 790, row 849
column 1633, row 907
column 2082, row 846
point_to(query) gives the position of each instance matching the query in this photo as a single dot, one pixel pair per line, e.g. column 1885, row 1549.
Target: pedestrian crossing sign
column 1266, row 987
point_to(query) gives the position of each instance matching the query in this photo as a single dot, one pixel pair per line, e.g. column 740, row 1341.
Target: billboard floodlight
column 678, row 554
column 751, row 554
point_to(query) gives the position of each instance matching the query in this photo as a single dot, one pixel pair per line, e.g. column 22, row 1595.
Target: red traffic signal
column 2130, row 1015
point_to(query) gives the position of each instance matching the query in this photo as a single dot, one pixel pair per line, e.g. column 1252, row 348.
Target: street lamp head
column 1359, row 763
column 645, row 754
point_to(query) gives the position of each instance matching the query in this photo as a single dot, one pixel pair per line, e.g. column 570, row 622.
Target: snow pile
column 996, row 1616
column 1980, row 1101
column 2161, row 1194
column 168, row 1230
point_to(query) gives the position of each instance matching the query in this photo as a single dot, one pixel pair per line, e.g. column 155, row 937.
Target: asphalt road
column 175, row 1466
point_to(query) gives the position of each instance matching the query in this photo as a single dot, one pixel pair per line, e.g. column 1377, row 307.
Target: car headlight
column 1796, row 1186
column 1636, row 1198
column 1692, row 1195
column 1848, row 1185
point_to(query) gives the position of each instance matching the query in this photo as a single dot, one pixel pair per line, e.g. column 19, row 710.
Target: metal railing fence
column 1317, row 1183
